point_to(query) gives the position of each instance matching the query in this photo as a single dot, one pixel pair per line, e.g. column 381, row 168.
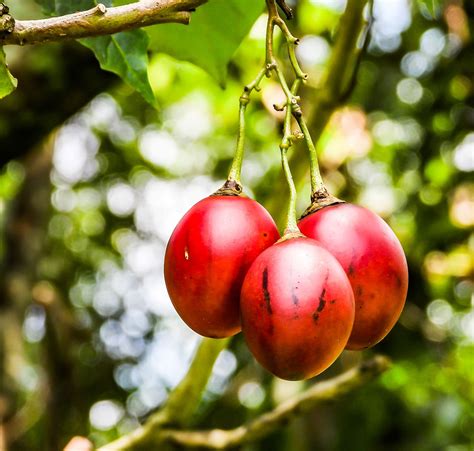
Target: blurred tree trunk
column 24, row 239
column 69, row 77
column 21, row 286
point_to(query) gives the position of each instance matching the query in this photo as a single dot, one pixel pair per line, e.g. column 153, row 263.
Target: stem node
column 101, row 9
column 244, row 100
column 296, row 111
column 7, row 24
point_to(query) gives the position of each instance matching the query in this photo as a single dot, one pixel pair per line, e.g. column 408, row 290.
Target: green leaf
column 124, row 54
column 8, row 82
column 216, row 31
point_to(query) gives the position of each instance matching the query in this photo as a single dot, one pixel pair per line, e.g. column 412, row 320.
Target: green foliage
column 327, row 19
column 124, row 54
column 216, row 30
column 8, row 82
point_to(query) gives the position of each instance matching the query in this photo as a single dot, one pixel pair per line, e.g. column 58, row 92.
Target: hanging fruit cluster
column 335, row 280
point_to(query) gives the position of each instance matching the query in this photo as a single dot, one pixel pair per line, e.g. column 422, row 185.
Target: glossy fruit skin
column 297, row 309
column 374, row 261
column 207, row 258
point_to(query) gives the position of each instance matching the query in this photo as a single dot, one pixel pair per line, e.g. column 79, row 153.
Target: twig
column 334, row 89
column 285, row 8
column 265, row 424
column 291, row 227
column 97, row 21
column 274, row 19
column 234, row 175
column 182, row 402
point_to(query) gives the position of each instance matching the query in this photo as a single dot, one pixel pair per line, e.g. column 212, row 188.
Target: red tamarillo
column 207, row 257
column 297, row 308
column 374, row 261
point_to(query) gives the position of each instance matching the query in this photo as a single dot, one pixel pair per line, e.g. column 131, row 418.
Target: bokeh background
column 93, row 180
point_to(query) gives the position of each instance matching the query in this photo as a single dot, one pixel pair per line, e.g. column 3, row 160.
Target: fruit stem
column 291, row 42
column 291, row 222
column 291, row 226
column 236, row 167
column 272, row 16
column 292, row 107
column 317, row 183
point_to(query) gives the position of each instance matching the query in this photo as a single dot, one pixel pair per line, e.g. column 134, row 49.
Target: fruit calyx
column 290, row 236
column 321, row 199
column 230, row 188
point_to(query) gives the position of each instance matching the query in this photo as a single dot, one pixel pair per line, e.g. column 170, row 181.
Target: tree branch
column 265, row 424
column 343, row 63
column 183, row 401
column 97, row 21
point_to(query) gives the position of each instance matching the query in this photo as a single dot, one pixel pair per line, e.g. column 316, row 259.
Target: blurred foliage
column 212, row 37
column 7, row 81
column 124, row 173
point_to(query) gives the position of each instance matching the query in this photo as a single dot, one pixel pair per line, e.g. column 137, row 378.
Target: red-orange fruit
column 374, row 261
column 297, row 309
column 207, row 258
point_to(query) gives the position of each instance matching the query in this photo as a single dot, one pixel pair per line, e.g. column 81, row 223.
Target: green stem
column 236, row 167
column 284, row 85
column 287, row 141
column 333, row 89
column 293, row 106
column 294, row 62
column 292, row 42
column 272, row 15
column 317, row 183
column 291, row 222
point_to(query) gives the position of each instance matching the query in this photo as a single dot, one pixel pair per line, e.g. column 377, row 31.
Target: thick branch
column 182, row 402
column 343, row 65
column 263, row 425
column 26, row 224
column 98, row 21
column 285, row 412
